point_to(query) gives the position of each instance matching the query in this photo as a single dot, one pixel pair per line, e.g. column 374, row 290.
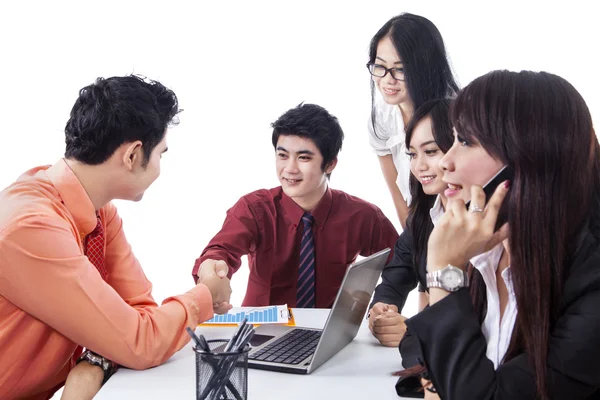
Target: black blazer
column 448, row 338
column 399, row 276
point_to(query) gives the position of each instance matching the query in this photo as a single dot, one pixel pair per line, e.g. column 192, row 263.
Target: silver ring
column 475, row 208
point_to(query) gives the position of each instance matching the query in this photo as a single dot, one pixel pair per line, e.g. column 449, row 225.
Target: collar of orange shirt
column 73, row 196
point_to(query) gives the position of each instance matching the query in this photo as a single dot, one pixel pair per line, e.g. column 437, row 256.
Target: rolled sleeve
column 55, row 283
column 235, row 239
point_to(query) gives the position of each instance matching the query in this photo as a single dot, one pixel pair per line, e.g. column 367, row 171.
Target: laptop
column 302, row 350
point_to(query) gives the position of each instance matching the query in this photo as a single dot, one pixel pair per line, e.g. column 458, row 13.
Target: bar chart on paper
column 255, row 315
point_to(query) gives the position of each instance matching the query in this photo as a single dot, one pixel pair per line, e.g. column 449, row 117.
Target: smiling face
column 425, row 156
column 393, row 91
column 298, row 164
column 467, row 164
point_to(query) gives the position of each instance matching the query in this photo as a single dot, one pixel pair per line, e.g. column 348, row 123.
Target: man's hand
column 83, row 382
column 386, row 324
column 213, row 274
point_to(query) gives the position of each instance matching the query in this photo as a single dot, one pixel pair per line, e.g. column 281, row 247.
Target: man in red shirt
column 301, row 236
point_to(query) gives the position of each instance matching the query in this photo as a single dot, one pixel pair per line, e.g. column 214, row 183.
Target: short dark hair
column 315, row 123
column 420, row 45
column 118, row 110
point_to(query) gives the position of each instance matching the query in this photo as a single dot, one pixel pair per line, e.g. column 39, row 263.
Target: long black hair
column 419, row 220
column 539, row 125
column 419, row 44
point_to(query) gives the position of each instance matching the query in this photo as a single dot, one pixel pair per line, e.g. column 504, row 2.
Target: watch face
column 451, row 279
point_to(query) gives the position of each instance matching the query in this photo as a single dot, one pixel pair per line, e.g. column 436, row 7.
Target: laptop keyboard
column 291, row 348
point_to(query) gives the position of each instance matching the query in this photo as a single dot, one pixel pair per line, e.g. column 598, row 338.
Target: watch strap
column 109, row 367
column 433, row 279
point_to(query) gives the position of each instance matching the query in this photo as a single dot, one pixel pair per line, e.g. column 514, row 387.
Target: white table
column 362, row 370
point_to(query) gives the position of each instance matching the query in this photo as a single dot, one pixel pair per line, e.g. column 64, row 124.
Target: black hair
column 118, row 110
column 315, row 123
column 419, row 220
column 540, row 126
column 419, row 44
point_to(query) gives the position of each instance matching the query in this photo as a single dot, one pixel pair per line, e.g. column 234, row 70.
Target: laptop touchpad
column 257, row 339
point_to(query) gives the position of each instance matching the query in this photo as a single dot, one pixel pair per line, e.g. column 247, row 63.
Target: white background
column 236, row 66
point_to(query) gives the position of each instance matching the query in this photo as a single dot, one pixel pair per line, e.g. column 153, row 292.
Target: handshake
column 213, row 274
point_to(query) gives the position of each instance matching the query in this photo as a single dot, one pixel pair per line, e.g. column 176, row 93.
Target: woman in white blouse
column 408, row 64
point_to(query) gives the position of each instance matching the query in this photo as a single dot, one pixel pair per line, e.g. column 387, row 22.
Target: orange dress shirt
column 52, row 299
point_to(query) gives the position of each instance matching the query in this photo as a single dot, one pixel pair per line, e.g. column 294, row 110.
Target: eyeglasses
column 380, row 71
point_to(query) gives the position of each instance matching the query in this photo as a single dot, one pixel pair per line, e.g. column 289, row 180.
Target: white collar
column 489, row 259
column 437, row 211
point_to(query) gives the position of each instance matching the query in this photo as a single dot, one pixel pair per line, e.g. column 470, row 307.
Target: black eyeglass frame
column 390, row 70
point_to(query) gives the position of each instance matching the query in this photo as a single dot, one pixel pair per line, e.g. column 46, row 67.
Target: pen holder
column 220, row 375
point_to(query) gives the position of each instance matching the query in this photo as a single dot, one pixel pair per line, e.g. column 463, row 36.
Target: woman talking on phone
column 408, row 66
column 527, row 326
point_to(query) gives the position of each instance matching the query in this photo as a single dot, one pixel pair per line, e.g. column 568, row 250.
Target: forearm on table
column 83, row 382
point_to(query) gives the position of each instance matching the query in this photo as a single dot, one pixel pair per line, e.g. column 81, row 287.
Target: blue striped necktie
column 305, row 296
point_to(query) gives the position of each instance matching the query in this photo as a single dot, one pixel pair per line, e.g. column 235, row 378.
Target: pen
column 236, row 340
column 243, row 338
column 236, row 334
column 195, row 338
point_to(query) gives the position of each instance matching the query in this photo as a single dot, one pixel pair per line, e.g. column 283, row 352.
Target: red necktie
column 94, row 248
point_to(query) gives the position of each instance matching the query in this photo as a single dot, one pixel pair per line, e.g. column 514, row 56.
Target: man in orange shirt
column 68, row 277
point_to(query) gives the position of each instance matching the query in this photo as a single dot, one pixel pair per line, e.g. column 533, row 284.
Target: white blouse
column 388, row 138
column 497, row 332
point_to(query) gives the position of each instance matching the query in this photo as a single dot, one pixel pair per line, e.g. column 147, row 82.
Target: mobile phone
column 505, row 173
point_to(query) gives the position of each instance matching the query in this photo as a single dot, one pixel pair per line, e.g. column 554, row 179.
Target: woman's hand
column 429, row 390
column 461, row 234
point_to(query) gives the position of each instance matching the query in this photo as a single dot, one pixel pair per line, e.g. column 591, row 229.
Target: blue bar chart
column 261, row 315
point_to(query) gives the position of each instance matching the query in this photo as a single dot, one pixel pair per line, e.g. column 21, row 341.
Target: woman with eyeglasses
column 408, row 65
column 524, row 323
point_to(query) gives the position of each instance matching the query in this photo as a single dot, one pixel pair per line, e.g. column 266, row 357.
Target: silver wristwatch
column 448, row 278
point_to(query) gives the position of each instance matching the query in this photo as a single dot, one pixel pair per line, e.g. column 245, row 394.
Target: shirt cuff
column 197, row 303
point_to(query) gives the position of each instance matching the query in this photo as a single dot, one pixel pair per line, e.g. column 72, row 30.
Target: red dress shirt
column 266, row 225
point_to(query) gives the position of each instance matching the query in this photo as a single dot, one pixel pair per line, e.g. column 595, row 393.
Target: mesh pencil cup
column 221, row 375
